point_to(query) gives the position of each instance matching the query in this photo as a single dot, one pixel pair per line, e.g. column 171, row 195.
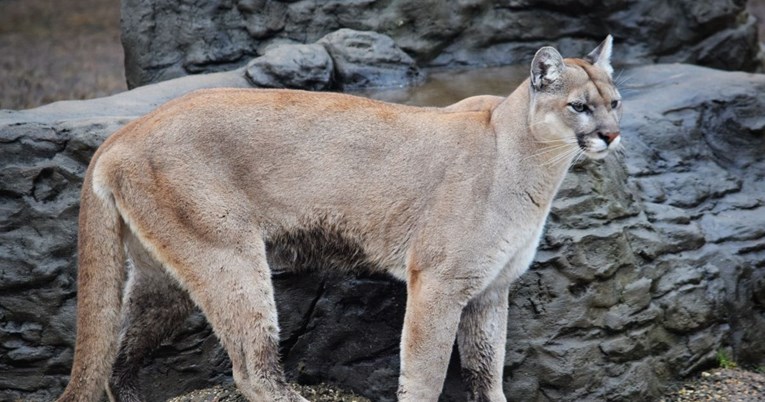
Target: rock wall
column 651, row 266
column 651, row 263
column 165, row 38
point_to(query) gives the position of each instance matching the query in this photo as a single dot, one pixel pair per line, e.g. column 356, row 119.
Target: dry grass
column 52, row 50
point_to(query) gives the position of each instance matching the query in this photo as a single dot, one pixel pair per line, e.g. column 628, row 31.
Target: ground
column 54, row 50
column 718, row 385
column 316, row 393
column 732, row 385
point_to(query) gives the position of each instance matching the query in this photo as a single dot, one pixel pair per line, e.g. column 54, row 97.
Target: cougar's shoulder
column 475, row 104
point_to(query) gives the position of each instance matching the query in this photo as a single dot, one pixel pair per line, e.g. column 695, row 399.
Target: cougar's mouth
column 596, row 145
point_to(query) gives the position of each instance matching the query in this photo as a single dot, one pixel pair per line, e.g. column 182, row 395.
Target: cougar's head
column 574, row 102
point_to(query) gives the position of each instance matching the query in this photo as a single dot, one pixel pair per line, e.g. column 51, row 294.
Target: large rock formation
column 651, row 263
column 165, row 38
column 345, row 59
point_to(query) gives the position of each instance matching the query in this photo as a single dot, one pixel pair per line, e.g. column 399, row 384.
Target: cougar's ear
column 546, row 69
column 601, row 56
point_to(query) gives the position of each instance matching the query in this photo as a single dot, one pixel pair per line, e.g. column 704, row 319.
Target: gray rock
column 369, row 60
column 292, row 66
column 165, row 39
column 649, row 265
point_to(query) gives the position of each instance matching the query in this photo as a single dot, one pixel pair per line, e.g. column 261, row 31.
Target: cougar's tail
column 100, row 281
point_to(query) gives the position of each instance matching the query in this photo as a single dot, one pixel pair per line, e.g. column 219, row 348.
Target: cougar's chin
column 597, row 148
column 596, row 154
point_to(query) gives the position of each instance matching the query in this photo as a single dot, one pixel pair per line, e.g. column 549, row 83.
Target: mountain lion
column 205, row 194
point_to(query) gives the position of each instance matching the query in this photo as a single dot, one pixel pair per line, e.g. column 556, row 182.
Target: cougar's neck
column 527, row 163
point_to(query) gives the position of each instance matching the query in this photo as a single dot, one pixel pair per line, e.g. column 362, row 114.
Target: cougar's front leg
column 483, row 330
column 433, row 311
column 481, row 341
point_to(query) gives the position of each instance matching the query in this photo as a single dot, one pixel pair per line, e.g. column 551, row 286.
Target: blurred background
column 52, row 50
column 757, row 8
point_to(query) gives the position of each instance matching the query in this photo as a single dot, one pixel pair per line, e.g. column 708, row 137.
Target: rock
column 345, row 59
column 165, row 39
column 351, row 334
column 729, row 49
column 292, row 66
column 649, row 264
column 369, row 60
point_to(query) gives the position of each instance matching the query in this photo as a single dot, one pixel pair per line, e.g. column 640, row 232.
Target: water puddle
column 442, row 88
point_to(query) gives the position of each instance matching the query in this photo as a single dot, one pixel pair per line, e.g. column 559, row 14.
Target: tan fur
column 212, row 187
column 480, row 103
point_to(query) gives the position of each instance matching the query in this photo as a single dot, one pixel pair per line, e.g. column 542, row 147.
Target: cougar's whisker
column 547, row 150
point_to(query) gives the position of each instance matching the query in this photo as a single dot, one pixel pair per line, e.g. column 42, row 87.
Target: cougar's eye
column 578, row 107
column 615, row 104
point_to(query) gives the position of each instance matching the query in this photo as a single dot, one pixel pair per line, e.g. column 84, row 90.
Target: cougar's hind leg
column 231, row 283
column 154, row 306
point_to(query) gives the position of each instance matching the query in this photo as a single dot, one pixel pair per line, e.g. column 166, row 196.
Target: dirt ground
column 718, row 385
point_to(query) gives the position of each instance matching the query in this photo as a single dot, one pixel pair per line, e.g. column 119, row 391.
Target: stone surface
column 344, row 60
column 292, row 66
column 369, row 60
column 652, row 261
column 165, row 38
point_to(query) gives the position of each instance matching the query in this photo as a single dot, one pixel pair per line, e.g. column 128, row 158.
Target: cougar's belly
column 321, row 248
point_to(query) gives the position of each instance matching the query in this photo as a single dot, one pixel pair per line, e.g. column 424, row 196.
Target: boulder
column 292, row 66
column 165, row 39
column 369, row 60
column 650, row 264
column 345, row 60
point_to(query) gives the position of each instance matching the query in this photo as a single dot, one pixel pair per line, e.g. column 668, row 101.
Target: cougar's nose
column 608, row 137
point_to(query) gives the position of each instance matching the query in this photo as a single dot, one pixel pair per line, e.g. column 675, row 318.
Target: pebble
column 721, row 385
column 229, row 393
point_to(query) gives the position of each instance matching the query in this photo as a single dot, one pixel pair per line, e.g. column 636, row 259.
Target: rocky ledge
column 651, row 263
